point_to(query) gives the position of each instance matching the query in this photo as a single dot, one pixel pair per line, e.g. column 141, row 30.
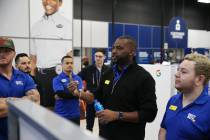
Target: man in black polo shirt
column 127, row 92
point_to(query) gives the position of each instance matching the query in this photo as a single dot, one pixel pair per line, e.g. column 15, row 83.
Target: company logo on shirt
column 191, row 117
column 63, row 80
column 59, row 26
column 19, row 83
column 173, row 107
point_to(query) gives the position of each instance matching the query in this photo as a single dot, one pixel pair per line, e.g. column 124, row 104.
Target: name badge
column 107, row 82
column 19, row 83
column 172, row 107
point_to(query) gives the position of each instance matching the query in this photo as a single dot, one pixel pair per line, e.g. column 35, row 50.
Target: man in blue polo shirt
column 13, row 83
column 67, row 87
column 187, row 115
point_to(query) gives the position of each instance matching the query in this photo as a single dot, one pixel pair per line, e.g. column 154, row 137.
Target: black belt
column 46, row 70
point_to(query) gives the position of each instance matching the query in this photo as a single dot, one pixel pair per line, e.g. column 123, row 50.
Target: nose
column 177, row 74
column 113, row 50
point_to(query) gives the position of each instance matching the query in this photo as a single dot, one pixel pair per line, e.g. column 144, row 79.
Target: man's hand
column 107, row 116
column 72, row 87
column 57, row 97
column 33, row 95
column 3, row 107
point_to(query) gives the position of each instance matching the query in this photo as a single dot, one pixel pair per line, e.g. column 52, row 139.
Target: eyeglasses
column 100, row 56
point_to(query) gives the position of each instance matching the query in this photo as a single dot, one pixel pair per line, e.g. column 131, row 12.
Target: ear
column 132, row 53
column 200, row 80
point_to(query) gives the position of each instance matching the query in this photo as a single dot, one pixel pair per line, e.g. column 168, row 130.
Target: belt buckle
column 41, row 70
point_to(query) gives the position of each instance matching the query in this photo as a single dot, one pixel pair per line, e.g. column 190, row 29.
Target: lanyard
column 117, row 75
column 96, row 77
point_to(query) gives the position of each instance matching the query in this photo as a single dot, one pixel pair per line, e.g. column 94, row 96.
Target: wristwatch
column 120, row 116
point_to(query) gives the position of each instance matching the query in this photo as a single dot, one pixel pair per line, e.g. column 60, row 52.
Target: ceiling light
column 204, row 1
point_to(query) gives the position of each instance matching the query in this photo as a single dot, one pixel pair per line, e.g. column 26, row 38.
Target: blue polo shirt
column 17, row 86
column 68, row 108
column 189, row 123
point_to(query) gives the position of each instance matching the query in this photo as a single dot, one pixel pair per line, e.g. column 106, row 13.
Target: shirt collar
column 16, row 72
column 203, row 98
column 63, row 74
column 51, row 17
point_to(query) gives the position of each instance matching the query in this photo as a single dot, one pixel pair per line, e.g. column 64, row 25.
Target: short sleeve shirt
column 68, row 108
column 187, row 123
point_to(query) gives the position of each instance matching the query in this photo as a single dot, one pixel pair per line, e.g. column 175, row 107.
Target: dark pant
column 90, row 116
column 44, row 78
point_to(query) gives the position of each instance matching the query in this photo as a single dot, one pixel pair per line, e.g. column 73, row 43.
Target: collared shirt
column 68, row 108
column 48, row 45
column 17, row 86
column 187, row 123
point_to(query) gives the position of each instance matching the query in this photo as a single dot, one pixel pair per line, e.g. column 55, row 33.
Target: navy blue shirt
column 68, row 108
column 17, row 86
column 189, row 123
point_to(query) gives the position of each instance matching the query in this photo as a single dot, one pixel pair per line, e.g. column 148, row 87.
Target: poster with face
column 51, row 31
column 51, row 19
column 45, row 20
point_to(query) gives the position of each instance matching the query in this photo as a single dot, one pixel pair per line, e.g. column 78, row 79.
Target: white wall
column 95, row 34
column 198, row 39
column 14, row 18
column 164, row 88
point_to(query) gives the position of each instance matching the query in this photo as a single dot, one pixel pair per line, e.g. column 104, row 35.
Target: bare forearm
column 162, row 134
column 33, row 95
column 86, row 96
column 3, row 107
column 33, row 64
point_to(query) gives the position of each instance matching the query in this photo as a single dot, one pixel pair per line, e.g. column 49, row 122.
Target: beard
column 3, row 65
column 121, row 60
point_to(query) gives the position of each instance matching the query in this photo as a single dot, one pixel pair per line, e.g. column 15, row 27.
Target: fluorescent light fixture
column 204, row 1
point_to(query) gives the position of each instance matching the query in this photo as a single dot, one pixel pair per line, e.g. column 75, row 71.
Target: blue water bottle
column 98, row 106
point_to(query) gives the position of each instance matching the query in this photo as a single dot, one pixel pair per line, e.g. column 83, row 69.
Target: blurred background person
column 23, row 63
column 85, row 61
column 92, row 75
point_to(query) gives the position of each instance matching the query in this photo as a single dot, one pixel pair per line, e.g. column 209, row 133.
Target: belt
column 46, row 70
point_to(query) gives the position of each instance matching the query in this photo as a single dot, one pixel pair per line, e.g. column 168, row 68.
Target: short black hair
column 100, row 50
column 18, row 56
column 66, row 56
column 131, row 40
